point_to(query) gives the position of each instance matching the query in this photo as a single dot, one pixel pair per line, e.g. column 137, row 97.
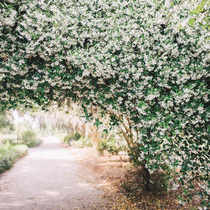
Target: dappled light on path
column 47, row 178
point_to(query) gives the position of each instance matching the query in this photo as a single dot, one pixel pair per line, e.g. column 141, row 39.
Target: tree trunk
column 146, row 177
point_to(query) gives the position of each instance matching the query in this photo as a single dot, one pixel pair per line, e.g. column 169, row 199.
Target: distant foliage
column 82, row 142
column 28, row 136
column 5, row 123
column 30, row 139
column 112, row 146
column 140, row 61
column 74, row 137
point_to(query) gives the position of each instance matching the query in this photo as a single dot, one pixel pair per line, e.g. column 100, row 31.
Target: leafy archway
column 137, row 61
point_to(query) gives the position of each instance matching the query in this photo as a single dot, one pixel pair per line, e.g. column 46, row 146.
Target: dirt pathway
column 48, row 179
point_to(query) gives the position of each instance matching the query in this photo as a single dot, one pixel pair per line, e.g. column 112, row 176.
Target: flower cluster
column 137, row 60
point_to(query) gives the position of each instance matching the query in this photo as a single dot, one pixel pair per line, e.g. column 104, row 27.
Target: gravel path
column 48, row 179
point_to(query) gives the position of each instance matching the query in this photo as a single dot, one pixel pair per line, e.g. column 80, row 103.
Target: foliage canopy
column 138, row 61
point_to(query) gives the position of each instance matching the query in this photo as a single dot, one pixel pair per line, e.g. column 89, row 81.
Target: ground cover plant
column 9, row 154
column 144, row 63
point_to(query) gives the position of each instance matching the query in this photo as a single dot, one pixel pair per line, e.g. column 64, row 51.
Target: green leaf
column 179, row 27
column 191, row 21
column 194, row 12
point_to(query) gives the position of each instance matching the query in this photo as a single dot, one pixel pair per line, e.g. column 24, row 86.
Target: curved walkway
column 48, row 179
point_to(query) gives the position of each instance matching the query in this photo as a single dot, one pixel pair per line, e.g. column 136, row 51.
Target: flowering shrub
column 138, row 61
